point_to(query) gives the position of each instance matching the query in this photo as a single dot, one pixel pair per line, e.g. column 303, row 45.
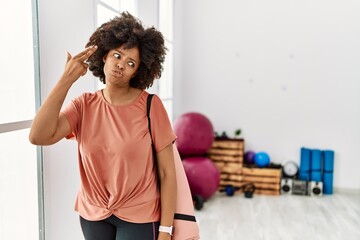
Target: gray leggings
column 114, row 228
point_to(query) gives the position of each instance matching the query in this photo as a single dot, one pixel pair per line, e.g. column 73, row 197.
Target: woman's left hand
column 164, row 236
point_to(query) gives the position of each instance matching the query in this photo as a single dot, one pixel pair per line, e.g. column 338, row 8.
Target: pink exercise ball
column 203, row 176
column 195, row 134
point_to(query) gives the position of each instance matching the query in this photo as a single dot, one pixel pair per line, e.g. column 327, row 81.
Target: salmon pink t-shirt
column 115, row 157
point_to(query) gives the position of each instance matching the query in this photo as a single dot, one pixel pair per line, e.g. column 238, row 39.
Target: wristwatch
column 169, row 230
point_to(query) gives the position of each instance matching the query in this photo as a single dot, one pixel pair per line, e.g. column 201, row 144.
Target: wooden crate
column 266, row 180
column 228, row 155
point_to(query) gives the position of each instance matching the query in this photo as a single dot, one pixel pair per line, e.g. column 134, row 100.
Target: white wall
column 64, row 26
column 285, row 72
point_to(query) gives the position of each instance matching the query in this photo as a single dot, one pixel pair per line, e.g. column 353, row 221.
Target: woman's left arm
column 167, row 177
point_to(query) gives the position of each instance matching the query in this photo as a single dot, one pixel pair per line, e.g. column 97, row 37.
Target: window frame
column 26, row 123
column 169, row 41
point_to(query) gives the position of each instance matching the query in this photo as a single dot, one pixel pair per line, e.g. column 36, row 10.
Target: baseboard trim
column 346, row 190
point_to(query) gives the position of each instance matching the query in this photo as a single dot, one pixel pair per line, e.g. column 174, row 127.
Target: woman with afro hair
column 121, row 182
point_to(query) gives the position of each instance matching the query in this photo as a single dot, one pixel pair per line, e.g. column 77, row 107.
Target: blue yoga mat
column 328, row 182
column 305, row 159
column 304, row 175
column 328, row 160
column 316, row 160
column 316, row 176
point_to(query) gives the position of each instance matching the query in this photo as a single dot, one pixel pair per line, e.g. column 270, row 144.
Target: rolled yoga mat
column 328, row 174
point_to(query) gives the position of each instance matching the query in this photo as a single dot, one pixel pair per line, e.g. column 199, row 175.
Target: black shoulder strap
column 148, row 106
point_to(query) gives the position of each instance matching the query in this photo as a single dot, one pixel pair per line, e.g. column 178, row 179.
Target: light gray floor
column 288, row 217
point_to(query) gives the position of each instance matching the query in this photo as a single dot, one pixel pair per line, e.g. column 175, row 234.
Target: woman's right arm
column 49, row 125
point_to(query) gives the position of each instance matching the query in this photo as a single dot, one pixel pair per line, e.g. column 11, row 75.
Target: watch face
column 290, row 169
column 169, row 230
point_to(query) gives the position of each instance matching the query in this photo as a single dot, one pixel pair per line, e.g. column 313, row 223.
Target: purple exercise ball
column 249, row 157
column 203, row 176
column 195, row 134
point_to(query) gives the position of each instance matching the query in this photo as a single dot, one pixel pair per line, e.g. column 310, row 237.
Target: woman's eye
column 116, row 55
column 131, row 64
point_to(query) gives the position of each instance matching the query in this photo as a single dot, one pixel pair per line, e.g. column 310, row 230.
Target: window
column 108, row 9
column 19, row 196
column 166, row 81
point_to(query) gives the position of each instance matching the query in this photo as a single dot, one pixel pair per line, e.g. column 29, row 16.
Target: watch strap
column 165, row 229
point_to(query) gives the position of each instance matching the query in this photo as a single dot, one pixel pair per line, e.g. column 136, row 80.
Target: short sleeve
column 161, row 129
column 73, row 112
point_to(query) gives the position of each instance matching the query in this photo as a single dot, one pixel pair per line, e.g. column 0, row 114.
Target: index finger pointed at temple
column 86, row 53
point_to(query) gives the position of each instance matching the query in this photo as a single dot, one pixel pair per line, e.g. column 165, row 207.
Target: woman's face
column 121, row 65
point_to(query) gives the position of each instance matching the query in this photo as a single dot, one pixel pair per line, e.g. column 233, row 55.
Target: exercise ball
column 194, row 132
column 203, row 176
column 262, row 159
column 249, row 157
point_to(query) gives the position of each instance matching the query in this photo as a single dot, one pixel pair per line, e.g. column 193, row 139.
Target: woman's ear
column 104, row 58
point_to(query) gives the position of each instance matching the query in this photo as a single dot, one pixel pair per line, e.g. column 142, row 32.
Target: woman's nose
column 120, row 65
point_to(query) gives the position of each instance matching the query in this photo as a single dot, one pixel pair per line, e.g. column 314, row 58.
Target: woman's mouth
column 117, row 73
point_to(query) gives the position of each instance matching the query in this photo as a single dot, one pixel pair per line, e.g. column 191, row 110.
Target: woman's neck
column 120, row 95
